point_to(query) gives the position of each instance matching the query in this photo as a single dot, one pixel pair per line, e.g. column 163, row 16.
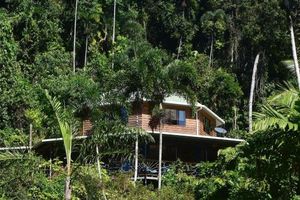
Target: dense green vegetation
column 203, row 50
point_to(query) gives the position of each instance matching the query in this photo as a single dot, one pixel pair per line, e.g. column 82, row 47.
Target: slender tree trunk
column 74, row 39
column 98, row 163
column 252, row 91
column 211, row 51
column 180, row 40
column 160, row 152
column 99, row 172
column 30, row 137
column 86, row 51
column 179, row 47
column 114, row 21
column 145, row 29
column 114, row 32
column 160, row 159
column 231, row 31
column 232, row 53
column 235, row 118
column 68, row 189
column 50, row 168
column 295, row 57
column 136, row 159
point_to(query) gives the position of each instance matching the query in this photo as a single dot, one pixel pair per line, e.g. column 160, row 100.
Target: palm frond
column 286, row 98
column 65, row 128
column 279, row 111
column 289, row 64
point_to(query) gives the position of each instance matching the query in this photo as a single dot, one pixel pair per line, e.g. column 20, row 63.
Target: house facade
column 179, row 118
column 187, row 136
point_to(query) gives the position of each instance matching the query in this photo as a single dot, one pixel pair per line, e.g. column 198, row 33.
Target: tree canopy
column 203, row 50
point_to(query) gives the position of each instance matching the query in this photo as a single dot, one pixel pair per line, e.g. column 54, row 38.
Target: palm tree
column 67, row 132
column 280, row 112
column 213, row 23
column 292, row 10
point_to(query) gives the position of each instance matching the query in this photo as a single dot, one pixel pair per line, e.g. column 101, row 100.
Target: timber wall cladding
column 191, row 122
column 87, row 127
column 142, row 116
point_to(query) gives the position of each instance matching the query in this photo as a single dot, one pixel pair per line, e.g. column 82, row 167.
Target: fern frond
column 4, row 156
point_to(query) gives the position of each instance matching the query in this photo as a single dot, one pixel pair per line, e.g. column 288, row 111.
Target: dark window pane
column 171, row 116
column 207, row 126
column 175, row 117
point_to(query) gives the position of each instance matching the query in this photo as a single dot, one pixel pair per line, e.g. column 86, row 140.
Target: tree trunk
column 114, row 22
column 68, row 189
column 99, row 172
column 50, row 168
column 86, row 51
column 180, row 40
column 252, row 91
column 295, row 57
column 160, row 152
column 145, row 29
column 30, row 137
column 179, row 47
column 136, row 159
column 114, row 32
column 160, row 160
column 235, row 118
column 74, row 39
column 211, row 50
column 98, row 163
column 232, row 53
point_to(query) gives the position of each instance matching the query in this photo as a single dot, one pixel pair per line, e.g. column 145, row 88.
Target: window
column 124, row 115
column 207, row 125
column 175, row 117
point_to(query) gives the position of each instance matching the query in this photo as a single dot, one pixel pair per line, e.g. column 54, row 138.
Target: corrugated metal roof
column 176, row 99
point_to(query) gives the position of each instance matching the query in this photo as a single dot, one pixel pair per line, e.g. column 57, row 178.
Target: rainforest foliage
column 203, row 50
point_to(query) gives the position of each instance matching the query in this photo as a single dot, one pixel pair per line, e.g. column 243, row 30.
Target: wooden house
column 186, row 136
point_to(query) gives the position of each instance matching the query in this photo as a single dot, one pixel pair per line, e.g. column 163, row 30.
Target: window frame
column 207, row 122
column 180, row 116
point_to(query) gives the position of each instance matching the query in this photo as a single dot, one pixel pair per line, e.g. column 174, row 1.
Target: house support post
column 50, row 168
column 136, row 159
column 197, row 123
